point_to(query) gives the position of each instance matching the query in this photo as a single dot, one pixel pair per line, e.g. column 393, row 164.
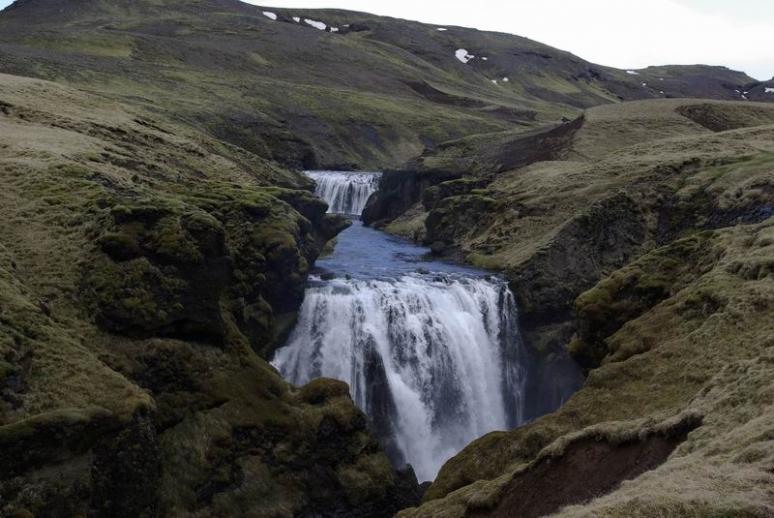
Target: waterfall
column 346, row 193
column 434, row 360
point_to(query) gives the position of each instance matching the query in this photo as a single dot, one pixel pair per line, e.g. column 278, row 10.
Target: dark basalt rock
column 398, row 191
column 121, row 461
column 604, row 238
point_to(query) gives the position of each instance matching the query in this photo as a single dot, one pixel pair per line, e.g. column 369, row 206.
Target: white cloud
column 631, row 35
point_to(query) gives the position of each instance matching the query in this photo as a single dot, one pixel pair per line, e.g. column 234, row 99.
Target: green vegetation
column 645, row 250
column 155, row 247
column 144, row 268
column 375, row 94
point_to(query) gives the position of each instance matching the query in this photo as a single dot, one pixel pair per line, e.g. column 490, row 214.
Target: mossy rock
column 633, row 290
column 319, row 391
column 34, row 441
column 119, row 246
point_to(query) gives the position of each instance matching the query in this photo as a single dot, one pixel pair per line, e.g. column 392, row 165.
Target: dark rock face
column 398, row 190
column 484, row 156
column 602, row 239
column 718, row 117
column 461, row 172
column 635, row 289
column 271, row 141
column 453, row 217
column 383, row 407
column 114, row 467
column 165, row 274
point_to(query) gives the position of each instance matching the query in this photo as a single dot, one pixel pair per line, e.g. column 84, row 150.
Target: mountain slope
column 373, row 94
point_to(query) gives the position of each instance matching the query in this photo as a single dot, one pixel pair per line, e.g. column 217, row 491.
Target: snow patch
column 505, row 80
column 334, row 29
column 494, row 81
column 315, row 24
column 632, row 72
column 442, row 29
column 769, row 90
column 644, row 84
column 485, row 58
column 271, row 15
column 297, row 19
column 462, row 55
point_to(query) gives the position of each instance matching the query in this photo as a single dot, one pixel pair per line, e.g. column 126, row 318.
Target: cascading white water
column 433, row 360
column 346, row 193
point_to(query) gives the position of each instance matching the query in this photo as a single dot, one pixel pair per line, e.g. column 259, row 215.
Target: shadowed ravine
column 431, row 350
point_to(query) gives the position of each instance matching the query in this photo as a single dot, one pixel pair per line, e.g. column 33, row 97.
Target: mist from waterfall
column 346, row 193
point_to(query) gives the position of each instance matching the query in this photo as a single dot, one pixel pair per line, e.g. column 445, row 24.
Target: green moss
column 119, row 246
column 633, row 290
column 6, row 369
column 321, row 390
column 171, row 243
column 367, row 479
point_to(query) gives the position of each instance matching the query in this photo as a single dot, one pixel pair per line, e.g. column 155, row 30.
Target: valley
column 289, row 262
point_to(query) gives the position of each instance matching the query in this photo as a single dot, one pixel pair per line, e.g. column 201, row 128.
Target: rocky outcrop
column 184, row 270
column 603, row 238
column 483, row 156
column 632, row 291
column 461, row 166
column 718, row 117
column 398, row 191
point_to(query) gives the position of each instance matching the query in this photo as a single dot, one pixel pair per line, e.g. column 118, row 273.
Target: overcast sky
column 630, row 34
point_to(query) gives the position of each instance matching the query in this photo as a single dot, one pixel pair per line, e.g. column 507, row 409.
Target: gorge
column 253, row 267
column 431, row 350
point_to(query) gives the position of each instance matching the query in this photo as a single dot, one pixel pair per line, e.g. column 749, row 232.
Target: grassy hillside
column 643, row 247
column 373, row 94
column 156, row 244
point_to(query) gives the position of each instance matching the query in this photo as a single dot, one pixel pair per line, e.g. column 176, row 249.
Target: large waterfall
column 346, row 193
column 430, row 350
column 434, row 361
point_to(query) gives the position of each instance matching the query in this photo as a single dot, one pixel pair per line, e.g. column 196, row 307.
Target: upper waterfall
column 346, row 193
